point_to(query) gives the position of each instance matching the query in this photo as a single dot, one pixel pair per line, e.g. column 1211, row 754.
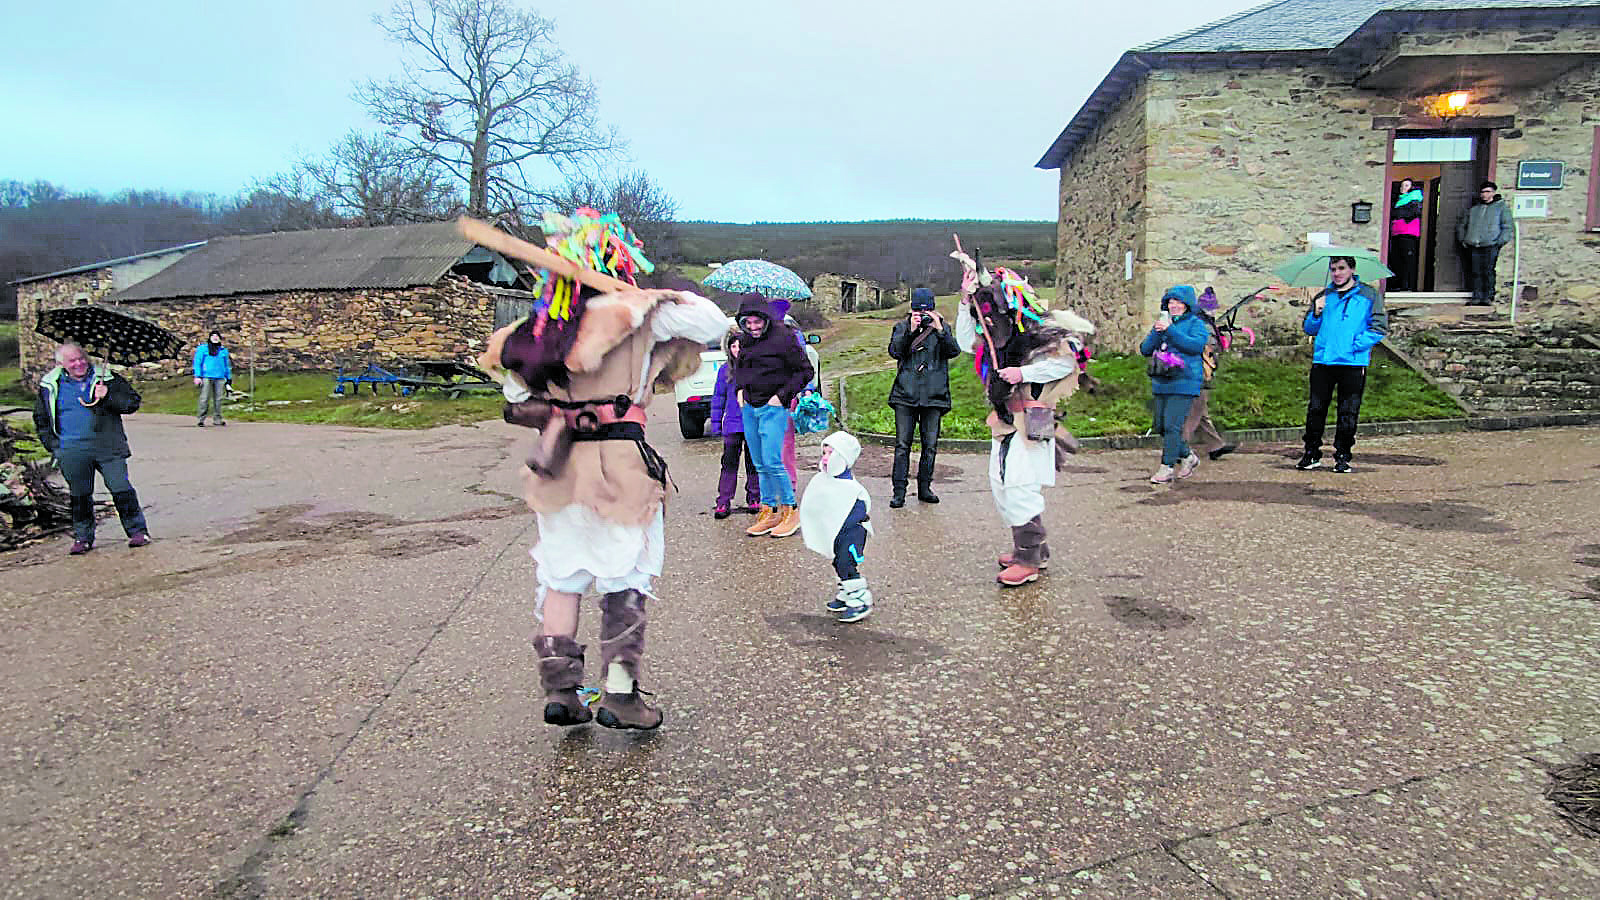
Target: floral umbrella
column 770, row 280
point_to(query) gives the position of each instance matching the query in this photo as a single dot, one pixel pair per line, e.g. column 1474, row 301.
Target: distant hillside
column 911, row 250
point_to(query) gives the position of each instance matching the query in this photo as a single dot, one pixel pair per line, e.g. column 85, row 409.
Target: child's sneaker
column 1186, row 467
column 857, row 600
column 837, row 604
column 1162, row 475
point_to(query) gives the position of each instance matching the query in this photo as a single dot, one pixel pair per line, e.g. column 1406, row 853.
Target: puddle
column 1146, row 614
column 1360, row 458
column 855, row 649
column 1432, row 515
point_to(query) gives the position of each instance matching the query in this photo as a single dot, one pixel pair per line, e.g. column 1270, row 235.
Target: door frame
column 1490, row 127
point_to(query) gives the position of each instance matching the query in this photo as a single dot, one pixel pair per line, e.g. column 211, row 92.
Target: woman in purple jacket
column 728, row 420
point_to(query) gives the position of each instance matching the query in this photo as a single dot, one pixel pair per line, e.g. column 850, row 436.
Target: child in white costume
column 834, row 522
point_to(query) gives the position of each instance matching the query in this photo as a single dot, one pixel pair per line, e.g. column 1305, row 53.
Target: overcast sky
column 777, row 110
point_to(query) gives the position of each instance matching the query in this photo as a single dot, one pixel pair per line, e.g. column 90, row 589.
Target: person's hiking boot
column 721, row 512
column 926, row 495
column 1341, row 466
column 1308, row 462
column 1007, row 560
column 1163, row 475
column 627, row 711
column 79, row 548
column 857, row 599
column 561, row 674
column 1222, row 451
column 898, row 499
column 1186, row 467
column 764, row 521
column 1017, row 575
column 788, row 522
column 142, row 539
column 752, row 508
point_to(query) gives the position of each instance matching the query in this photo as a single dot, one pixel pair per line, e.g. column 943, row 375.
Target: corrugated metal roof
column 1306, row 26
column 108, row 263
column 391, row 256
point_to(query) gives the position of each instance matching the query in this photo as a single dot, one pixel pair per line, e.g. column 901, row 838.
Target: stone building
column 852, row 293
column 1210, row 156
column 299, row 299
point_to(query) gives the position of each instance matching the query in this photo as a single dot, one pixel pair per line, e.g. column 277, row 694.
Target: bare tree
column 370, row 179
column 485, row 90
column 635, row 197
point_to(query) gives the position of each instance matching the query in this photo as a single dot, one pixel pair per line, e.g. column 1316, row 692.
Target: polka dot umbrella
column 110, row 334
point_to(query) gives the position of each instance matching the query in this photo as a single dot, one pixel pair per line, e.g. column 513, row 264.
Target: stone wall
column 1232, row 168
column 306, row 330
column 1102, row 201
column 827, row 293
column 1541, row 367
column 35, row 352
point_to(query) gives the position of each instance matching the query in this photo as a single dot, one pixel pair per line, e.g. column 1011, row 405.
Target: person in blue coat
column 1174, row 345
column 1346, row 320
column 213, row 372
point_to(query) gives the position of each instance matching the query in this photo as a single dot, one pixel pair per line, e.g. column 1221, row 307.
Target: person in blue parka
column 1174, row 345
column 213, row 372
column 1347, row 320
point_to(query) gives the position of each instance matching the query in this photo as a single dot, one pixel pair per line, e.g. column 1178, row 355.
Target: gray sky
column 777, row 110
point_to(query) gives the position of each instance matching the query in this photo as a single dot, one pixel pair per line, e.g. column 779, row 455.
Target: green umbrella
column 1311, row 269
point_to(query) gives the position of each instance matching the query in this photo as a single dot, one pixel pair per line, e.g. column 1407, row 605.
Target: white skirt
column 578, row 550
column 1030, row 467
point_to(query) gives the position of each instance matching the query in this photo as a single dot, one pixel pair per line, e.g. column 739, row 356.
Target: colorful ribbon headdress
column 595, row 241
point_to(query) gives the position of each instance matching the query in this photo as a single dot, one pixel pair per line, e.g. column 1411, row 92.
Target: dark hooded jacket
column 924, row 376
column 772, row 365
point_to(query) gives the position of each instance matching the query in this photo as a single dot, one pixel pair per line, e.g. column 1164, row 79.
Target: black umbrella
column 110, row 334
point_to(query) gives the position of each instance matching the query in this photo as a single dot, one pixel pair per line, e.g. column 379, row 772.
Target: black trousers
column 1480, row 269
column 1351, row 382
column 1403, row 260
column 908, row 419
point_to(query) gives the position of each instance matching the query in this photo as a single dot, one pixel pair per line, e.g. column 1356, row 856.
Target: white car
column 694, row 393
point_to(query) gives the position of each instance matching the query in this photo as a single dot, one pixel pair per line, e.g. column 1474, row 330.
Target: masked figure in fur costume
column 581, row 370
column 835, row 522
column 1028, row 360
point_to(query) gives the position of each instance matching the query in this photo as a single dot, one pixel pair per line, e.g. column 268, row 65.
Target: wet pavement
column 1255, row 683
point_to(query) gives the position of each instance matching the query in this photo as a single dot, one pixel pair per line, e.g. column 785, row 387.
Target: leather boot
column 560, row 674
column 788, row 522
column 764, row 521
column 622, row 625
column 925, row 491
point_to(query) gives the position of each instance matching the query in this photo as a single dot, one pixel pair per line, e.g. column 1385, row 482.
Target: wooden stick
column 487, row 235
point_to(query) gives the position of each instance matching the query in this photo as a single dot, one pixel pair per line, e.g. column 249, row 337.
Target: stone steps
column 1500, row 368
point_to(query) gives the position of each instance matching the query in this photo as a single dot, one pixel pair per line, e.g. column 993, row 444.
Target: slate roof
column 1310, row 26
column 391, row 256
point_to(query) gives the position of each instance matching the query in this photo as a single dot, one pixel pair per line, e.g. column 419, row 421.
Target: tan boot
column 788, row 522
column 767, row 518
column 627, row 711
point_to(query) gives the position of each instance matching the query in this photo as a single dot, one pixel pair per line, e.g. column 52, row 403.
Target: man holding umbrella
column 1346, row 321
column 78, row 415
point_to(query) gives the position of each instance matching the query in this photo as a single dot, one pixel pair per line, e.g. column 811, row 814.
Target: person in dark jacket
column 771, row 371
column 1175, row 343
column 923, row 345
column 78, row 415
column 1347, row 320
column 727, row 420
column 1484, row 229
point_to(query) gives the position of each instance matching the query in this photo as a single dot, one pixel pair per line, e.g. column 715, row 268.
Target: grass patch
column 305, row 398
column 1257, row 392
column 12, row 391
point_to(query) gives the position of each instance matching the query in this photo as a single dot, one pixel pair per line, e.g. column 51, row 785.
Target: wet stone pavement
column 1255, row 683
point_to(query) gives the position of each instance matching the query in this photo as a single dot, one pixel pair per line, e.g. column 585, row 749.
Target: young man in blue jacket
column 1347, row 320
column 213, row 372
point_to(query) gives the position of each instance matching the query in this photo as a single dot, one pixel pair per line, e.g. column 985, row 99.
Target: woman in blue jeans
column 771, row 371
column 1175, row 344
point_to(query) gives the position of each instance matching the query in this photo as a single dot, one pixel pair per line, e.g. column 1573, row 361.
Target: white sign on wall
column 1318, row 239
column 1127, row 266
column 1530, row 206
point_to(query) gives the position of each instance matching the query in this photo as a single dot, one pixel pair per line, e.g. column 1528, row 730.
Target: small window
column 1592, row 220
column 1433, row 149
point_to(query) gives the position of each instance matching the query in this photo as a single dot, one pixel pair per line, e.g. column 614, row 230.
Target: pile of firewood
column 31, row 507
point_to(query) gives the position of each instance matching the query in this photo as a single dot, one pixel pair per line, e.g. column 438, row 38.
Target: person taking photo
column 923, row 345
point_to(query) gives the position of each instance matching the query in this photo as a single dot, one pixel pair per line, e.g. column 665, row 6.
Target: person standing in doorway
column 78, row 416
column 923, row 345
column 1483, row 231
column 213, row 372
column 1405, row 235
column 1346, row 320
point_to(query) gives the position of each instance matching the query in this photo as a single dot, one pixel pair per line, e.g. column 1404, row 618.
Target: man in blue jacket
column 1347, row 320
column 213, row 372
